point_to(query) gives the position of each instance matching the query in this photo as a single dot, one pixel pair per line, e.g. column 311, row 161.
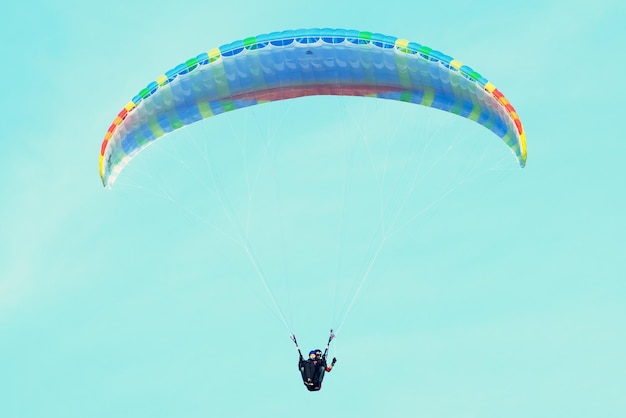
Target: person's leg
column 309, row 373
column 319, row 374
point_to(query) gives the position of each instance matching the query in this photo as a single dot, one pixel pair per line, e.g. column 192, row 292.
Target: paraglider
column 298, row 63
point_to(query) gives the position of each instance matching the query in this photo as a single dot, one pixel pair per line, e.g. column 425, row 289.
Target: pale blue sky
column 505, row 299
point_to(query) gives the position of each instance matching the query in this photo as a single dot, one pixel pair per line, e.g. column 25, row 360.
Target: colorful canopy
column 306, row 62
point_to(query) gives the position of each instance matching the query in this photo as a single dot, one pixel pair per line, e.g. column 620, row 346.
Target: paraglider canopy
column 305, row 62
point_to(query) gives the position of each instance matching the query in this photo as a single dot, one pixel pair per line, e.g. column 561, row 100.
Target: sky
column 497, row 291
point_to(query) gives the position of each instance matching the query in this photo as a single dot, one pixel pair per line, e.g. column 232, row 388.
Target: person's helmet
column 318, row 352
column 313, row 352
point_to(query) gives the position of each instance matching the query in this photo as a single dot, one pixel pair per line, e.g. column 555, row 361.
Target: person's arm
column 332, row 364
